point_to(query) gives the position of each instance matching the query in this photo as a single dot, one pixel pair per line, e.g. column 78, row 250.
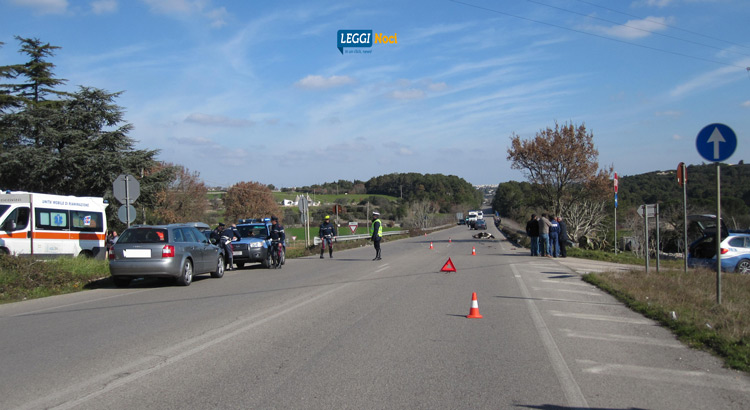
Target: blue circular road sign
column 716, row 142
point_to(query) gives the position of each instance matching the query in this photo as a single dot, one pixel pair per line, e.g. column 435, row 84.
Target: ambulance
column 46, row 226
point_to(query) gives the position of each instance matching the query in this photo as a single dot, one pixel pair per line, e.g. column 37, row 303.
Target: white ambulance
column 43, row 225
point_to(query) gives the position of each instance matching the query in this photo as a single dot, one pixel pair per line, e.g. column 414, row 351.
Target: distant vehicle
column 734, row 246
column 254, row 245
column 472, row 218
column 480, row 224
column 461, row 222
column 176, row 251
column 62, row 225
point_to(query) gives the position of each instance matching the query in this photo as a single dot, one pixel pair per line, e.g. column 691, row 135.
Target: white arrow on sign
column 716, row 138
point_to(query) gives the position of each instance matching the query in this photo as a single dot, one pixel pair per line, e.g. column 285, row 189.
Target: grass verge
column 697, row 320
column 25, row 278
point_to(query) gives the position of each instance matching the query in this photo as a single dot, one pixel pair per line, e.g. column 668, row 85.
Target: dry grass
column 723, row 329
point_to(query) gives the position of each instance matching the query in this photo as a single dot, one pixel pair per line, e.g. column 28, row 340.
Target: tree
column 562, row 163
column 249, row 200
column 74, row 144
column 184, row 199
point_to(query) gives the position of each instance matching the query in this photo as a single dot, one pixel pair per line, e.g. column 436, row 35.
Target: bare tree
column 420, row 214
column 585, row 218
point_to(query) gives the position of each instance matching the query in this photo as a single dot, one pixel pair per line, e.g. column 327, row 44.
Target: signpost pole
column 718, row 234
column 127, row 199
column 616, row 186
column 683, row 170
column 658, row 245
column 645, row 230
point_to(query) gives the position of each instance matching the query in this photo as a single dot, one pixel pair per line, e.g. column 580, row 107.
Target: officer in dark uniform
column 277, row 234
column 327, row 234
column 377, row 234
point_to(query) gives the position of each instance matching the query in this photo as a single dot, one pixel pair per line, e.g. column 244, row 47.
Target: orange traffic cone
column 474, row 311
column 430, row 245
column 473, row 251
column 450, row 240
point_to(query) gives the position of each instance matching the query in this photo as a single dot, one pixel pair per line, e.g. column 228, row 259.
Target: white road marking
column 617, row 319
column 574, row 282
column 609, row 337
column 580, row 292
column 572, row 391
column 696, row 378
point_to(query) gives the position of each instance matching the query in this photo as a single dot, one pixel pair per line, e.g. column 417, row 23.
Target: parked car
column 177, row 251
column 208, row 232
column 480, row 224
column 734, row 246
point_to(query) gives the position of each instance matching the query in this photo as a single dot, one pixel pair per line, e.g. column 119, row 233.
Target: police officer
column 377, row 233
column 327, row 234
column 277, row 234
column 226, row 236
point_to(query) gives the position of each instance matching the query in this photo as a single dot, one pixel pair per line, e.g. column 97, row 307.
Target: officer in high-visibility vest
column 377, row 234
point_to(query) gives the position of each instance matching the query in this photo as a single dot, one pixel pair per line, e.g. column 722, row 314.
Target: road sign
column 353, row 227
column 126, row 187
column 681, row 173
column 616, row 182
column 650, row 208
column 122, row 214
column 716, row 142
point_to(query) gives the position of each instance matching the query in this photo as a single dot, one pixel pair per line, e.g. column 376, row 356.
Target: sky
column 258, row 91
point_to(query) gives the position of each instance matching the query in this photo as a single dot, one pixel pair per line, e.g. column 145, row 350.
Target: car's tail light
column 724, row 250
column 111, row 254
column 167, row 251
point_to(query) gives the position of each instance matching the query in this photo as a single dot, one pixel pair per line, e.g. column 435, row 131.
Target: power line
column 637, row 28
column 597, row 35
column 663, row 24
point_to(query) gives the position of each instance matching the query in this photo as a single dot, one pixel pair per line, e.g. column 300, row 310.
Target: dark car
column 480, row 224
column 253, row 245
column 177, row 251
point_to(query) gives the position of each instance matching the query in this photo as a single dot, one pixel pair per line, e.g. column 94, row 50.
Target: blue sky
column 258, row 91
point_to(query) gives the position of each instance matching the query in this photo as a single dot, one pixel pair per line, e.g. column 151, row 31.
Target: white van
column 43, row 225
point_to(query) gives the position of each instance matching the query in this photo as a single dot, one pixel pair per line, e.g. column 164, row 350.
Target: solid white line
column 572, row 391
column 617, row 319
column 580, row 292
column 696, row 378
column 574, row 282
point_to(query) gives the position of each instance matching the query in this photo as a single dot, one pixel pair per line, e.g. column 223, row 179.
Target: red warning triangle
column 448, row 267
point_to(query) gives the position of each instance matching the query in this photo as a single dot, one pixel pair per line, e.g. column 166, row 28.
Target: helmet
column 327, row 217
column 275, row 218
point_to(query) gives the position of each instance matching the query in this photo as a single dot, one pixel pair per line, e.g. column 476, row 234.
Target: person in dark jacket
column 532, row 229
column 327, row 234
column 563, row 237
column 554, row 233
column 226, row 236
column 278, row 235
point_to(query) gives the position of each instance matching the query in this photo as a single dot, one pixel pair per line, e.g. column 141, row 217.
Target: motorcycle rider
column 327, row 234
column 277, row 235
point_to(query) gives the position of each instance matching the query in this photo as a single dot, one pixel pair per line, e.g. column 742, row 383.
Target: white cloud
column 44, row 6
column 746, row 104
column 710, row 80
column 186, row 8
column 658, row 3
column 317, row 82
column 669, row 113
column 206, row 119
column 677, row 137
column 437, row 86
column 104, row 6
column 633, row 29
column 410, row 94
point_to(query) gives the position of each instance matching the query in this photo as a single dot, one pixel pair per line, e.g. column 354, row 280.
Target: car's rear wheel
column 743, row 267
column 121, row 281
column 219, row 272
column 267, row 262
column 186, row 276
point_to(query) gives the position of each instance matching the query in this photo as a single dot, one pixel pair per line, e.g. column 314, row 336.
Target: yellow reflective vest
column 379, row 228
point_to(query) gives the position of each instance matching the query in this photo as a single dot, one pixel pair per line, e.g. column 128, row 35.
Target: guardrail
column 316, row 240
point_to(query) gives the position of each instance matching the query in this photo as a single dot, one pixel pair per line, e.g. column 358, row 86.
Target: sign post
column 616, row 183
column 682, row 181
column 717, row 142
column 645, row 211
column 126, row 189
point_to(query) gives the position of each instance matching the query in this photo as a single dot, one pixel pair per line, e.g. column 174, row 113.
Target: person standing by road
column 532, row 229
column 544, row 225
column 563, row 238
column 226, row 236
column 278, row 235
column 327, row 235
column 554, row 233
column 377, row 233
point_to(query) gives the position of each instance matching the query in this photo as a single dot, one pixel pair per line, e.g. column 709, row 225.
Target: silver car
column 176, row 251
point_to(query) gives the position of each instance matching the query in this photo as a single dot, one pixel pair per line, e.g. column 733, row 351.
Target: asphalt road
column 352, row 333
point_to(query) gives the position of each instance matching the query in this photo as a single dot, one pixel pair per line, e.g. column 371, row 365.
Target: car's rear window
column 144, row 235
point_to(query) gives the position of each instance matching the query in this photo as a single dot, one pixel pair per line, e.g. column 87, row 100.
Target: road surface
column 352, row 333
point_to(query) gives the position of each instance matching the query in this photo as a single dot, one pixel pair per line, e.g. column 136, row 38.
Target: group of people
column 549, row 236
column 327, row 235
